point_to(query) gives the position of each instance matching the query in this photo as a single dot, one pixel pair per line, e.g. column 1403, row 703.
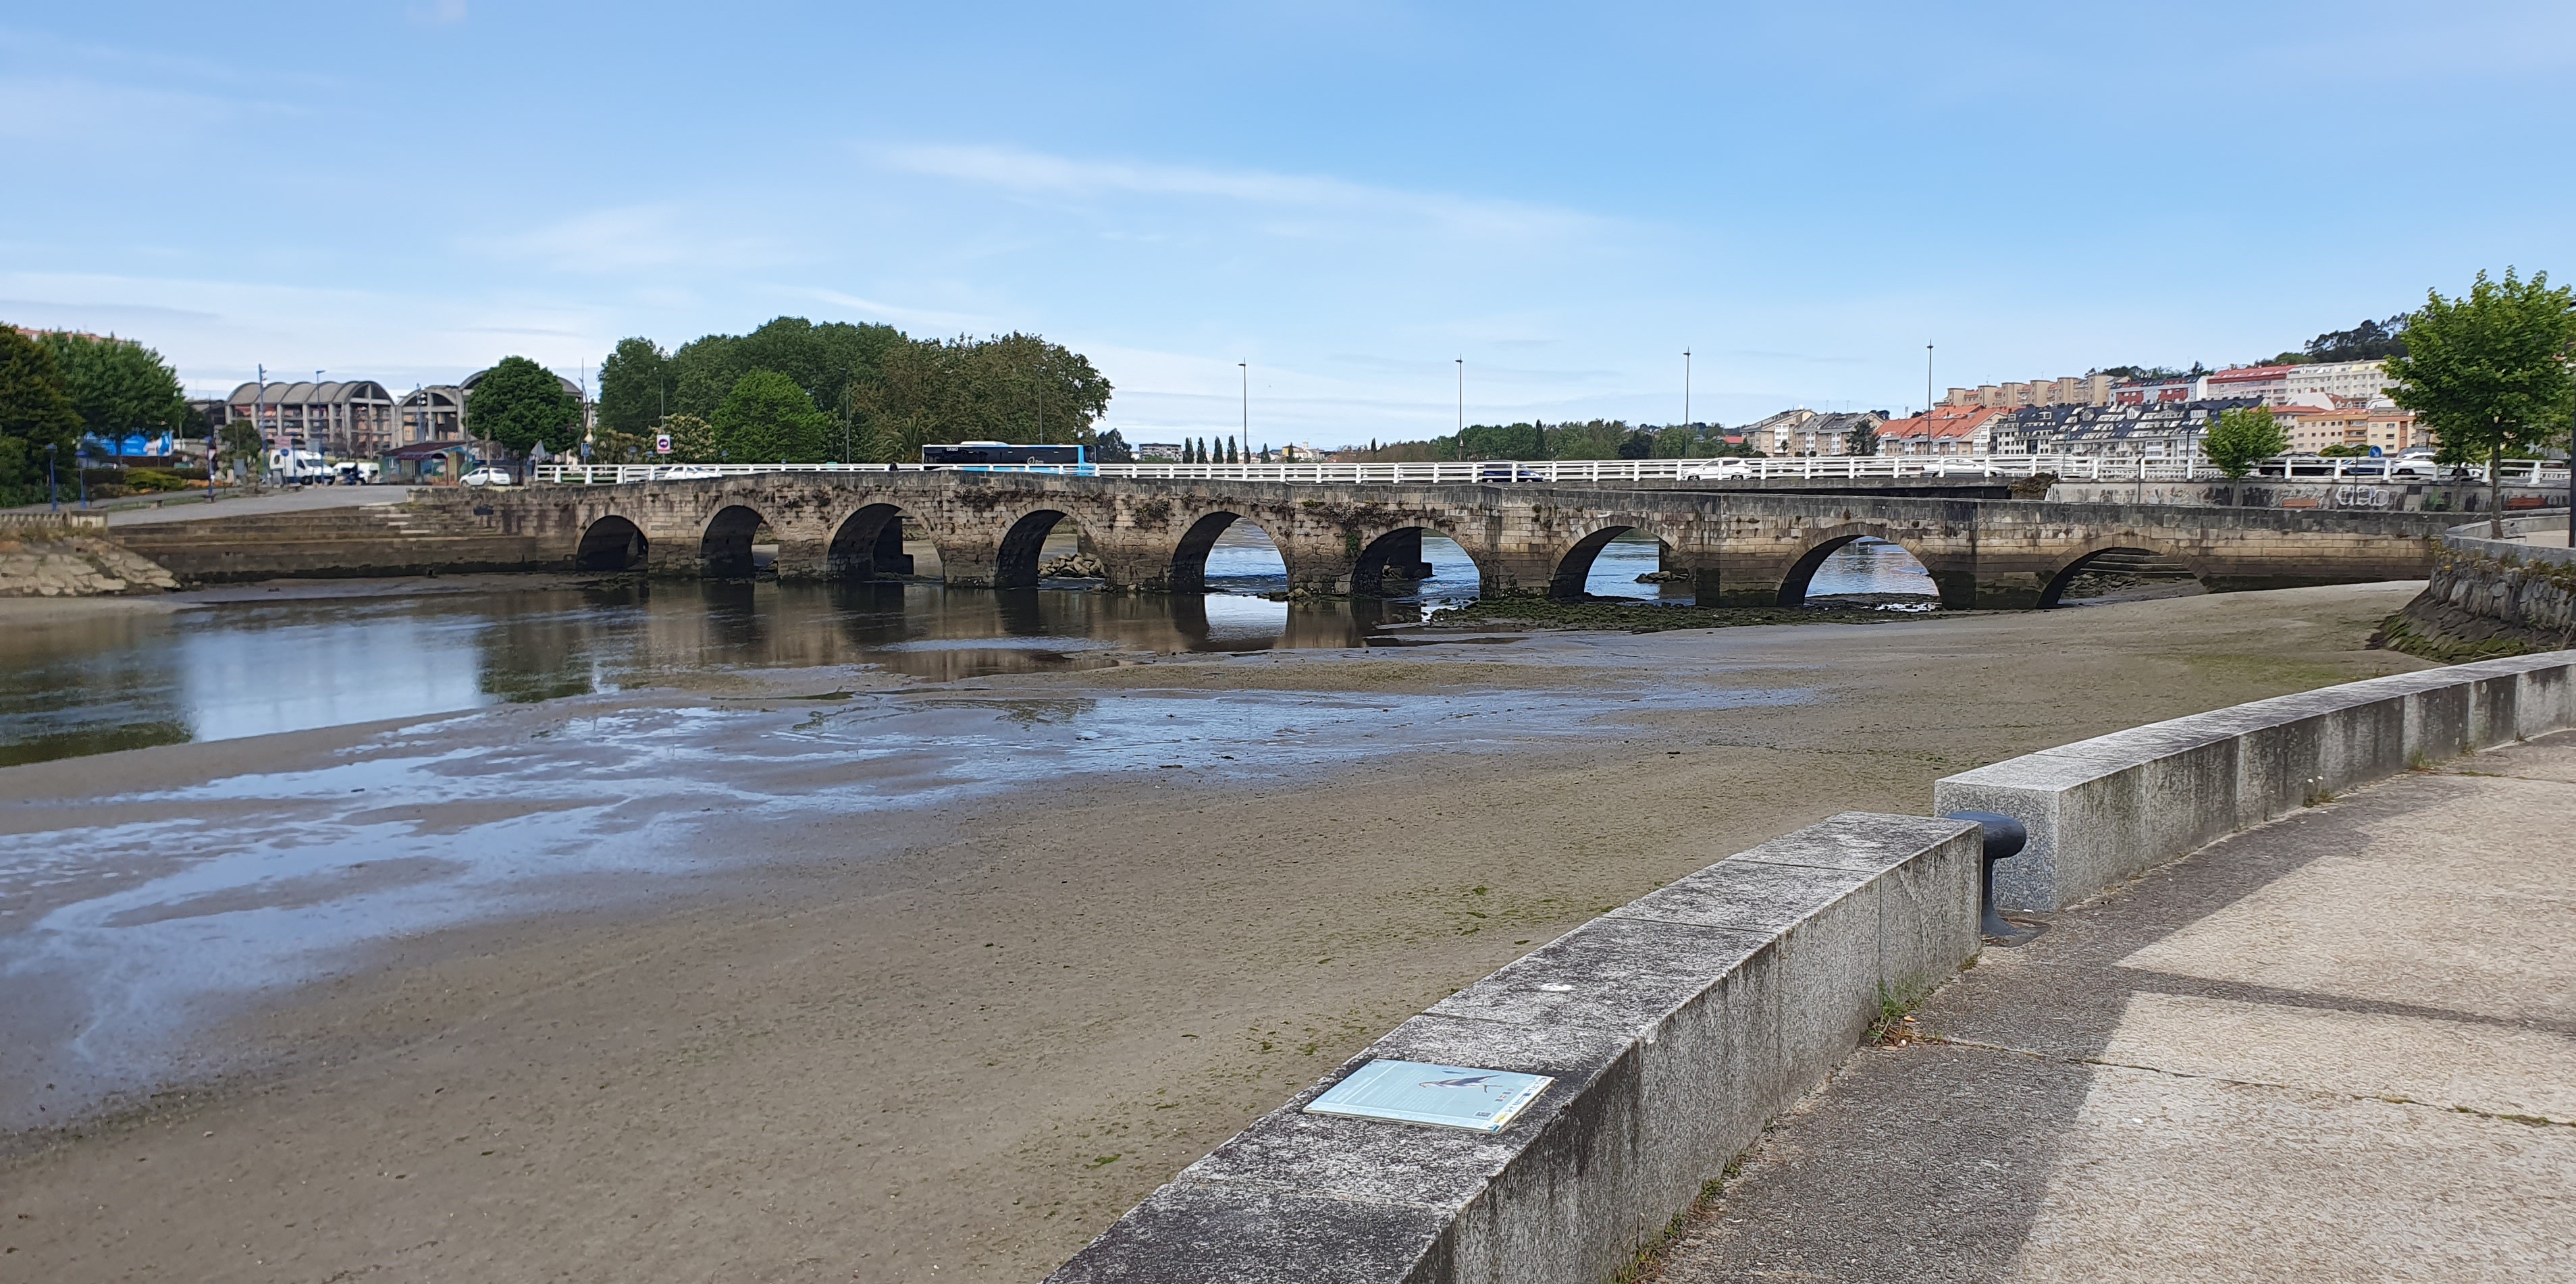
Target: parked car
column 488, row 475
column 357, row 473
column 688, row 472
column 1718, row 470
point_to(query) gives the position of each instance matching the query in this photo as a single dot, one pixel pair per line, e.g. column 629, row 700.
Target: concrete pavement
column 128, row 513
column 2339, row 1047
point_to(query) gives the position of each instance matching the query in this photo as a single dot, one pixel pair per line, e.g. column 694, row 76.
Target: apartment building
column 1801, row 431
column 2072, row 390
column 2267, row 385
column 2329, row 383
column 2390, row 429
column 1947, row 430
column 2151, row 429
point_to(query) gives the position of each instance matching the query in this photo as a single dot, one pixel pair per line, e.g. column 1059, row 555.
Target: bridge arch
column 868, row 543
column 1188, row 571
column 1400, row 550
column 1574, row 568
column 612, row 543
column 1826, row 543
column 1015, row 565
column 724, row 550
column 2099, row 551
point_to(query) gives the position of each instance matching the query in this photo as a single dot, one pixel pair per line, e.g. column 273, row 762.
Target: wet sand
column 793, row 1040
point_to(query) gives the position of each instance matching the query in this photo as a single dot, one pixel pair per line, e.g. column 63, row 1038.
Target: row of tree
column 800, row 392
column 56, row 388
column 1538, row 440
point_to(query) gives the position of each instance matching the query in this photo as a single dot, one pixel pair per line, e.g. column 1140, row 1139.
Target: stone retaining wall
column 1675, row 1028
column 2104, row 810
column 2488, row 596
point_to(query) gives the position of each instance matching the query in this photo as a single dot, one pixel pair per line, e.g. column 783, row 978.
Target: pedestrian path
column 2340, row 1047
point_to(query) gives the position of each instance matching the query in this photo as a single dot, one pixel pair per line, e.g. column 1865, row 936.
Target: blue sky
column 1345, row 196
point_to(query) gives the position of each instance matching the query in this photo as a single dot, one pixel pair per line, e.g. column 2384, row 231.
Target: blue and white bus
column 1002, row 454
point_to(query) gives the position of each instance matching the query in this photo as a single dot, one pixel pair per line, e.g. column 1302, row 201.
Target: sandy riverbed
column 831, row 1044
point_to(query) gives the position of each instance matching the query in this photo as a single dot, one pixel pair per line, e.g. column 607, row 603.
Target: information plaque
column 1441, row 1096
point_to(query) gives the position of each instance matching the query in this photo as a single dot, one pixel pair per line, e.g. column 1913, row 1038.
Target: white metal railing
column 2071, row 467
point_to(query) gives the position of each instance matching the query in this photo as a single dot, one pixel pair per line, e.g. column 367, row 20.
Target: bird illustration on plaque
column 1439, row 1096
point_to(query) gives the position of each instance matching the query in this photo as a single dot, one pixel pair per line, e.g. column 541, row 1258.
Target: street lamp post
column 1686, row 419
column 53, row 492
column 1244, row 438
column 1462, row 410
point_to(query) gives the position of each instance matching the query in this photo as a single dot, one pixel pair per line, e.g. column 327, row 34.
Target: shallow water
column 222, row 670
column 133, row 920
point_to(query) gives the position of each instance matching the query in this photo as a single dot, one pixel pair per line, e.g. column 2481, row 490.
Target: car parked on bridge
column 488, row 475
column 1718, row 470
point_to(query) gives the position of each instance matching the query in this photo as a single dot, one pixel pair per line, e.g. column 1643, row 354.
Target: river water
column 232, row 665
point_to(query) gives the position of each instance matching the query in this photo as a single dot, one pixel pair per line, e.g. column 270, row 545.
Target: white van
column 299, row 466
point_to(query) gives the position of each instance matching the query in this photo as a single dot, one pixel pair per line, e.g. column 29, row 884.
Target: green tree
column 634, row 388
column 1863, row 439
column 119, row 387
column 2488, row 372
column 36, row 411
column 693, row 440
column 768, row 418
column 241, row 449
column 518, row 404
column 1016, row 388
column 1111, row 447
column 1680, row 441
column 2242, row 438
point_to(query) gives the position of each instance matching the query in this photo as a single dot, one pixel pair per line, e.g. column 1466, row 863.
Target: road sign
column 662, row 444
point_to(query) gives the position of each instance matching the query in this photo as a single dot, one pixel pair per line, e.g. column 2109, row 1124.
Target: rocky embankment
column 2490, row 597
column 42, row 563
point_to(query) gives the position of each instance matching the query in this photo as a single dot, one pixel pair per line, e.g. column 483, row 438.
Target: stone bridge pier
column 1740, row 547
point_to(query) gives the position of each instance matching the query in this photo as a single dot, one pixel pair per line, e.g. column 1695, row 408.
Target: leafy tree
column 767, row 417
column 1229, row 452
column 1680, row 441
column 119, row 387
column 693, row 440
column 242, row 449
column 1863, row 439
column 36, row 411
column 2488, row 372
column 2242, row 438
column 1016, row 388
column 518, row 403
column 634, row 388
column 2364, row 342
column 831, row 362
column 1111, row 448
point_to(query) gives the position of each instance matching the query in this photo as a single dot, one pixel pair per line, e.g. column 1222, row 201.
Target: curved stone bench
column 1675, row 1028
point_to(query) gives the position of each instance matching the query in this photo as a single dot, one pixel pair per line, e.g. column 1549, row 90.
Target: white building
column 2329, row 383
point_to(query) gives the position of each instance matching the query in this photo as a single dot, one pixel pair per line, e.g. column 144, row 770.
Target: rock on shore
column 45, row 565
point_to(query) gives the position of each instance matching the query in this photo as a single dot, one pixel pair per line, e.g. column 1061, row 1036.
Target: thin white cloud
column 1036, row 173
column 958, row 321
column 638, row 238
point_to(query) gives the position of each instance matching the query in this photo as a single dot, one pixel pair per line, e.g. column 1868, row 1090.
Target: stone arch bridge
column 1742, row 548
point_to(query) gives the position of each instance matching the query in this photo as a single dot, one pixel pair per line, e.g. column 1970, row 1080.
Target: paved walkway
column 283, row 501
column 2340, row 1047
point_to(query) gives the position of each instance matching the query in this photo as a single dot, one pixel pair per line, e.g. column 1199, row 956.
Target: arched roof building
column 348, row 419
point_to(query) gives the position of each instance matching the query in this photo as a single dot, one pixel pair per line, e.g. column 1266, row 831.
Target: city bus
column 992, row 454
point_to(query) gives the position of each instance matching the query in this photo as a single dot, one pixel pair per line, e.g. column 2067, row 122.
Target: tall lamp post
column 1244, row 438
column 1462, row 409
column 1686, row 419
column 53, row 491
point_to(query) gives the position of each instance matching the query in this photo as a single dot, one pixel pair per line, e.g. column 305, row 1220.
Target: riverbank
column 794, row 1039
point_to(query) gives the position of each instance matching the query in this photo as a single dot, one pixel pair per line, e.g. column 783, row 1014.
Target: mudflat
column 955, row 1031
